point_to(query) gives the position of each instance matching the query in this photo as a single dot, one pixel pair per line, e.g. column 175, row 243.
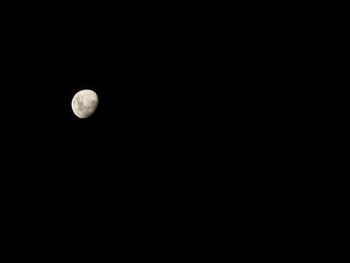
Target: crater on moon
column 84, row 103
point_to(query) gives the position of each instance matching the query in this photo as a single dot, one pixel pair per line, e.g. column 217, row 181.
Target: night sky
column 143, row 139
column 179, row 142
column 138, row 158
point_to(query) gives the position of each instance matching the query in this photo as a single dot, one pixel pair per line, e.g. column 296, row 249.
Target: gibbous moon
column 84, row 103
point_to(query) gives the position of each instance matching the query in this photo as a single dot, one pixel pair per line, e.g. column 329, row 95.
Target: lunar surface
column 84, row 103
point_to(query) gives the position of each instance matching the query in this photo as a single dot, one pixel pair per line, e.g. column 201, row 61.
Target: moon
column 84, row 103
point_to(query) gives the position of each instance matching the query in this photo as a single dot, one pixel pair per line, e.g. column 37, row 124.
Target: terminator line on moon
column 84, row 103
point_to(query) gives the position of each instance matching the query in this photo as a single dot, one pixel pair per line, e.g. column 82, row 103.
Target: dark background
column 140, row 157
column 179, row 133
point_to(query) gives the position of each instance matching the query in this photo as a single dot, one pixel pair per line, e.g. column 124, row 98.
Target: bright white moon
column 84, row 103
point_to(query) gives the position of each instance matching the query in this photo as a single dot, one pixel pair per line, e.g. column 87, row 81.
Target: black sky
column 141, row 167
column 147, row 69
column 180, row 136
